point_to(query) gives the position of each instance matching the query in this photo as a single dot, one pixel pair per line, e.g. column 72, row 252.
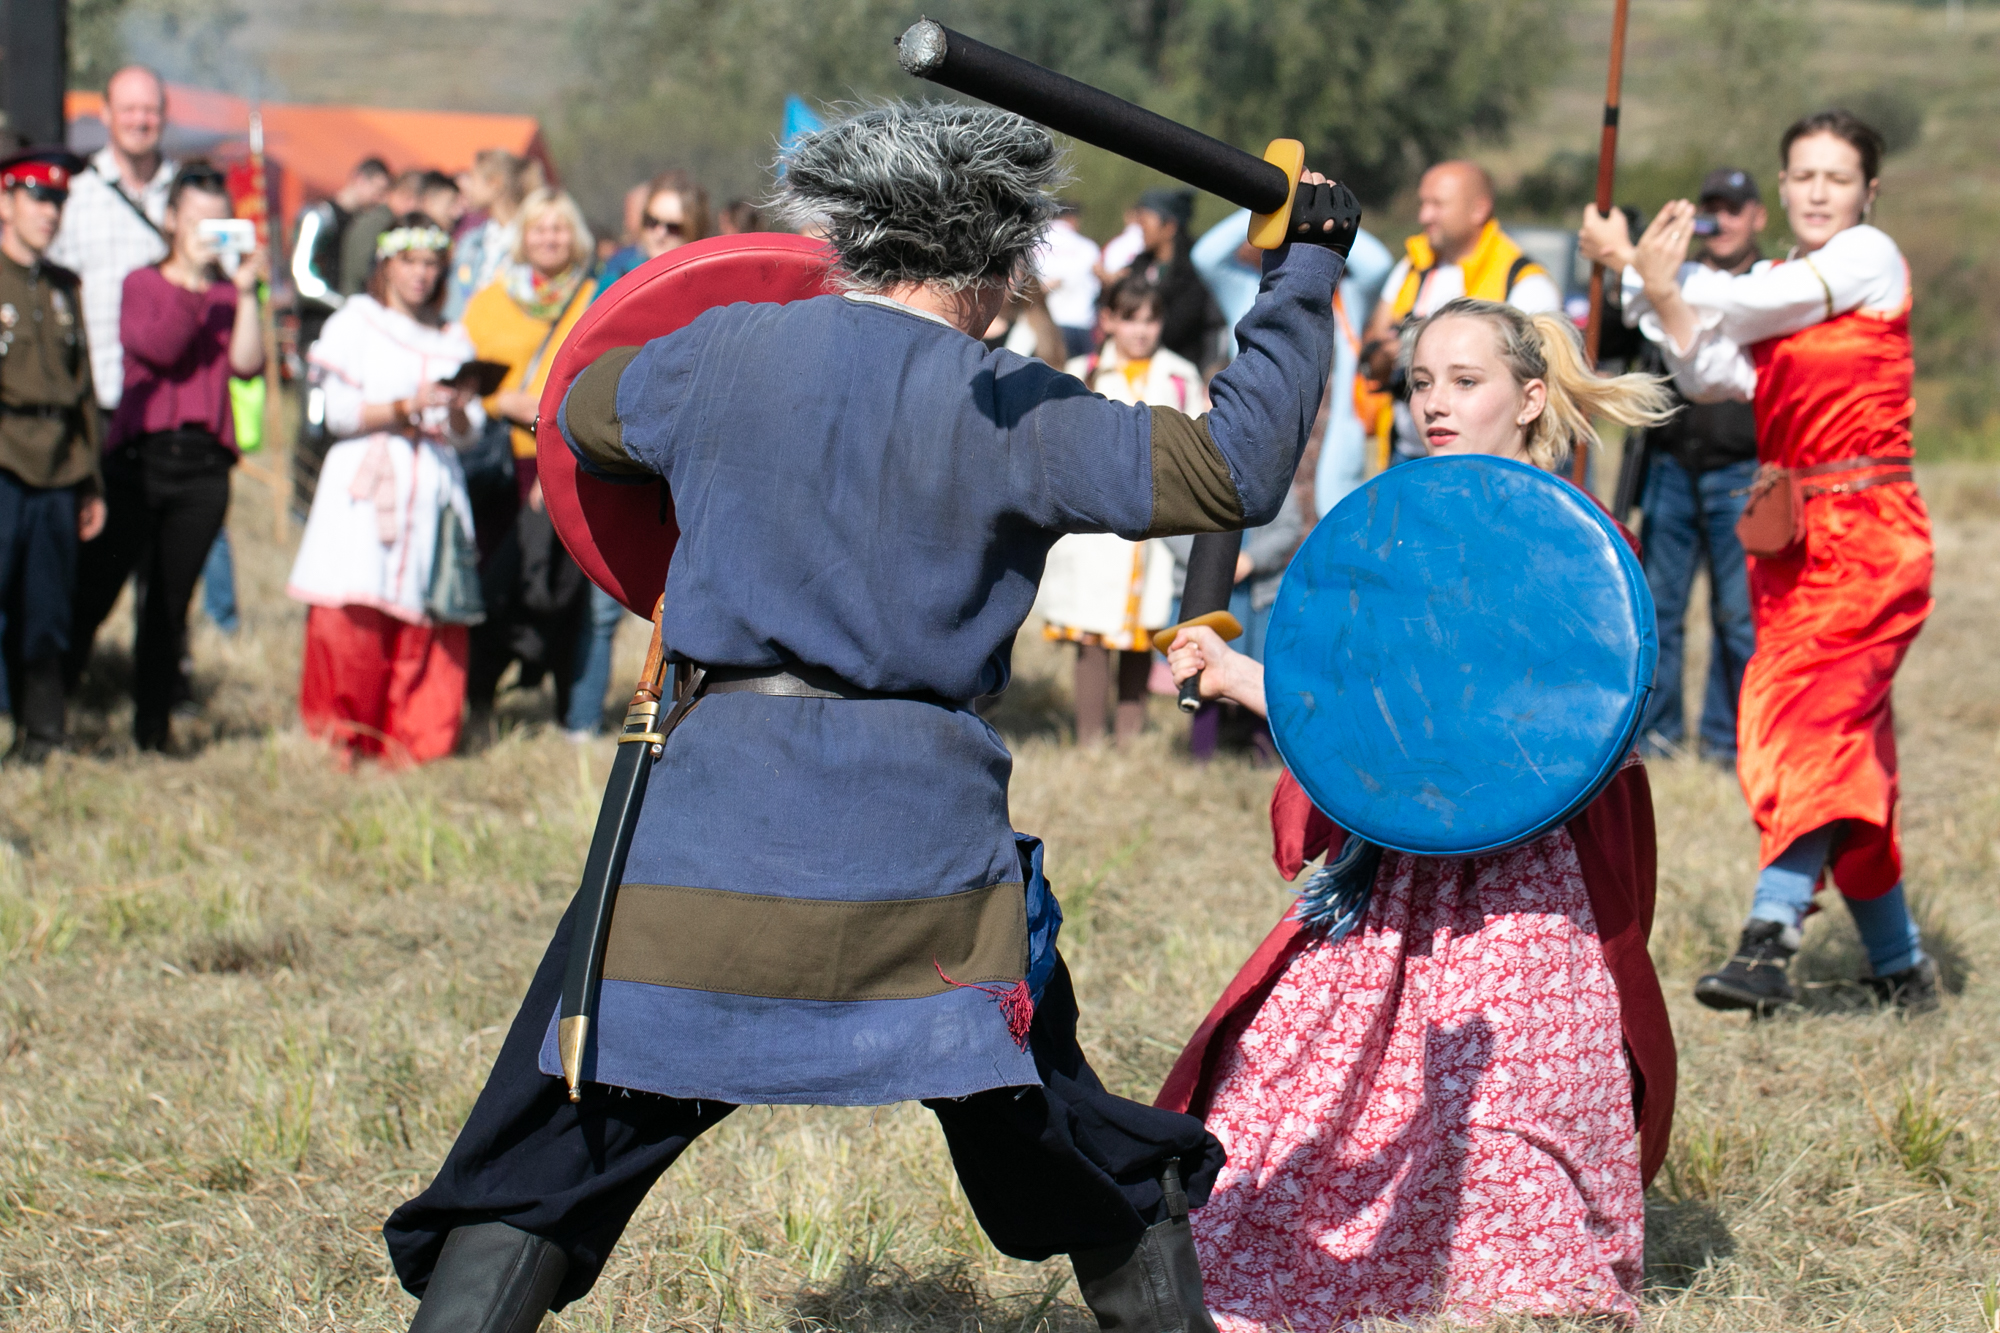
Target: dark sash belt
column 807, row 682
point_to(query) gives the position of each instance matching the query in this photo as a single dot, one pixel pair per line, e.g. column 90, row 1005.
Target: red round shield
column 622, row 537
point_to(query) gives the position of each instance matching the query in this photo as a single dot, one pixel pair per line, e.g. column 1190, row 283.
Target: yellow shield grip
column 1226, row 627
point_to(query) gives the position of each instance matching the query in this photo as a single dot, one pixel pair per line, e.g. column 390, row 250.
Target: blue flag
column 800, row 119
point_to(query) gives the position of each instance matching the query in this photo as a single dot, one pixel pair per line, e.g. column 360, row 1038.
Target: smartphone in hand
column 232, row 238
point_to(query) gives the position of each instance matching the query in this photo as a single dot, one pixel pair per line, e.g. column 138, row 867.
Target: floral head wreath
column 398, row 239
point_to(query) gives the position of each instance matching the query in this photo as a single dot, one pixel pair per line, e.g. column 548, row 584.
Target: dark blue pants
column 1689, row 519
column 1048, row 1170
column 37, row 572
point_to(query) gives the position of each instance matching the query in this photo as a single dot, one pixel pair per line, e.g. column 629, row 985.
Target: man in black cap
column 1189, row 318
column 50, row 492
column 1700, row 464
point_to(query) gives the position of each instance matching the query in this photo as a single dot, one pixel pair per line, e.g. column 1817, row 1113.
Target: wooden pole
column 1607, row 166
column 279, row 479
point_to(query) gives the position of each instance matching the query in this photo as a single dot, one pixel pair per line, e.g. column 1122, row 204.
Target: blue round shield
column 1460, row 656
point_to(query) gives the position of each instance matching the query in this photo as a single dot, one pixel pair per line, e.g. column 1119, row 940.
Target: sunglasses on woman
column 652, row 223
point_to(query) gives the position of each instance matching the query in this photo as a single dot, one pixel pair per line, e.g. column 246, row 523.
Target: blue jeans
column 593, row 662
column 1687, row 518
column 218, row 584
column 1785, row 893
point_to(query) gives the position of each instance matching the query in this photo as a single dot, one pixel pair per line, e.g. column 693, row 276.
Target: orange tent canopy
column 317, row 146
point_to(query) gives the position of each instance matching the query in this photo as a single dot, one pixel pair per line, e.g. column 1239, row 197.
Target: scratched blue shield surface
column 1460, row 656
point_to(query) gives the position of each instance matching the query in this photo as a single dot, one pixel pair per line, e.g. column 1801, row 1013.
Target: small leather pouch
column 1774, row 516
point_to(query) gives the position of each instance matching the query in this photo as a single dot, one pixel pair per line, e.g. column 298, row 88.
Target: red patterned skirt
column 1434, row 1116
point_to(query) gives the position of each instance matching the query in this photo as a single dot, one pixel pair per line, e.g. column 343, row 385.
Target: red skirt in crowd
column 378, row 686
column 1436, row 1116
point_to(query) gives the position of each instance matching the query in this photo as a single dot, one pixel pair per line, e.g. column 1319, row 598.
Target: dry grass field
column 245, row 1001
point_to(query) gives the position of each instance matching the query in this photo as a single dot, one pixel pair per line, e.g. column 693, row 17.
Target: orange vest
column 1492, row 268
column 1837, row 389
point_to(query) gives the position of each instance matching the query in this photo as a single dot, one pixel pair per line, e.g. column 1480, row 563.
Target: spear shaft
column 1607, row 167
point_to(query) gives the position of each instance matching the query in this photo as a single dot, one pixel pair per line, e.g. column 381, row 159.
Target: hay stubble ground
column 245, row 1001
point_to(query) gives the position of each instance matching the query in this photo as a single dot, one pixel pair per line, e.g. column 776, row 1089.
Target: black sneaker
column 1914, row 990
column 1755, row 978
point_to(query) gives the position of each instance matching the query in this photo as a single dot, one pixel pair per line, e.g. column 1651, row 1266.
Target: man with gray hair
column 827, row 903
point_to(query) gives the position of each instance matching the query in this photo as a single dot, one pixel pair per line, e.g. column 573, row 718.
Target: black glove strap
column 1314, row 206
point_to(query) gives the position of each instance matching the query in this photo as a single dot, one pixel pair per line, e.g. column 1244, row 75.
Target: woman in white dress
column 1101, row 592
column 386, row 563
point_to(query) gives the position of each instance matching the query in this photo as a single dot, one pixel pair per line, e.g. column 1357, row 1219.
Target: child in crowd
column 1099, row 591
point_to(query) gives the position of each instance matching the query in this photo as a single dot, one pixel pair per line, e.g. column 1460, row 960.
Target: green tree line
column 1375, row 88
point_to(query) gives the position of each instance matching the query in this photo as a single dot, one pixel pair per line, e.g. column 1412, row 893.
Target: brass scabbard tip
column 570, row 1033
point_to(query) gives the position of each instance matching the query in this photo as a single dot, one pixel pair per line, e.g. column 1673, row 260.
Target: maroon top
column 176, row 359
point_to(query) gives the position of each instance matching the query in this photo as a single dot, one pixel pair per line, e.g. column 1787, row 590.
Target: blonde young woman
column 1102, row 593
column 1430, row 1114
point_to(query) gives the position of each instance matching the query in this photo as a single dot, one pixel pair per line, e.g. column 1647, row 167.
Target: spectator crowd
column 429, row 563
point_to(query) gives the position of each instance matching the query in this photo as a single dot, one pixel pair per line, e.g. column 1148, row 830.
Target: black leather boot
column 38, row 711
column 1756, row 978
column 491, row 1278
column 1153, row 1284
column 1914, row 990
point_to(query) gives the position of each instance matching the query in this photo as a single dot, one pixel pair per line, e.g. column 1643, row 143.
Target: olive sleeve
column 590, row 419
column 1192, row 488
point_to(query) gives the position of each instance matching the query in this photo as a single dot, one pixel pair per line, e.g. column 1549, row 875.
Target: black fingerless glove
column 1314, row 206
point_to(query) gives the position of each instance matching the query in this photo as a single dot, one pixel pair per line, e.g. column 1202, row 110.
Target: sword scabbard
column 597, row 895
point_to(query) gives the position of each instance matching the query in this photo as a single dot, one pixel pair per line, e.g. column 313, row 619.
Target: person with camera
column 1699, row 467
column 186, row 325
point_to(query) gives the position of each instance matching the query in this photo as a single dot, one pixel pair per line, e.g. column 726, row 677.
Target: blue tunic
column 825, row 901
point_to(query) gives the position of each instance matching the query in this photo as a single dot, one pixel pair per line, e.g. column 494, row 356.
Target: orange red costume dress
column 1434, row 1115
column 1821, row 346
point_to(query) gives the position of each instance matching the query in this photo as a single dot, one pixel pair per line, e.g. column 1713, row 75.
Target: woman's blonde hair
column 1548, row 348
column 582, row 246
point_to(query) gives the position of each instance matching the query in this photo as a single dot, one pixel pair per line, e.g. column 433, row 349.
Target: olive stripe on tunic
column 817, row 949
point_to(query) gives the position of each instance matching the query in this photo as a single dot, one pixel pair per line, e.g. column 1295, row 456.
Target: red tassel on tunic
column 1815, row 739
column 376, row 685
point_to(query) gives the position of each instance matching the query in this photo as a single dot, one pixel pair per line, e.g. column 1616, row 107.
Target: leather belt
column 807, row 682
column 46, row 411
column 1899, row 470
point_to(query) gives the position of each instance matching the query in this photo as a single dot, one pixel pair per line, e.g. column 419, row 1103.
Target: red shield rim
column 623, row 537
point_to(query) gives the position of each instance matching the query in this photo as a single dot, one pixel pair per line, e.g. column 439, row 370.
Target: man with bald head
column 112, row 223
column 1461, row 251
